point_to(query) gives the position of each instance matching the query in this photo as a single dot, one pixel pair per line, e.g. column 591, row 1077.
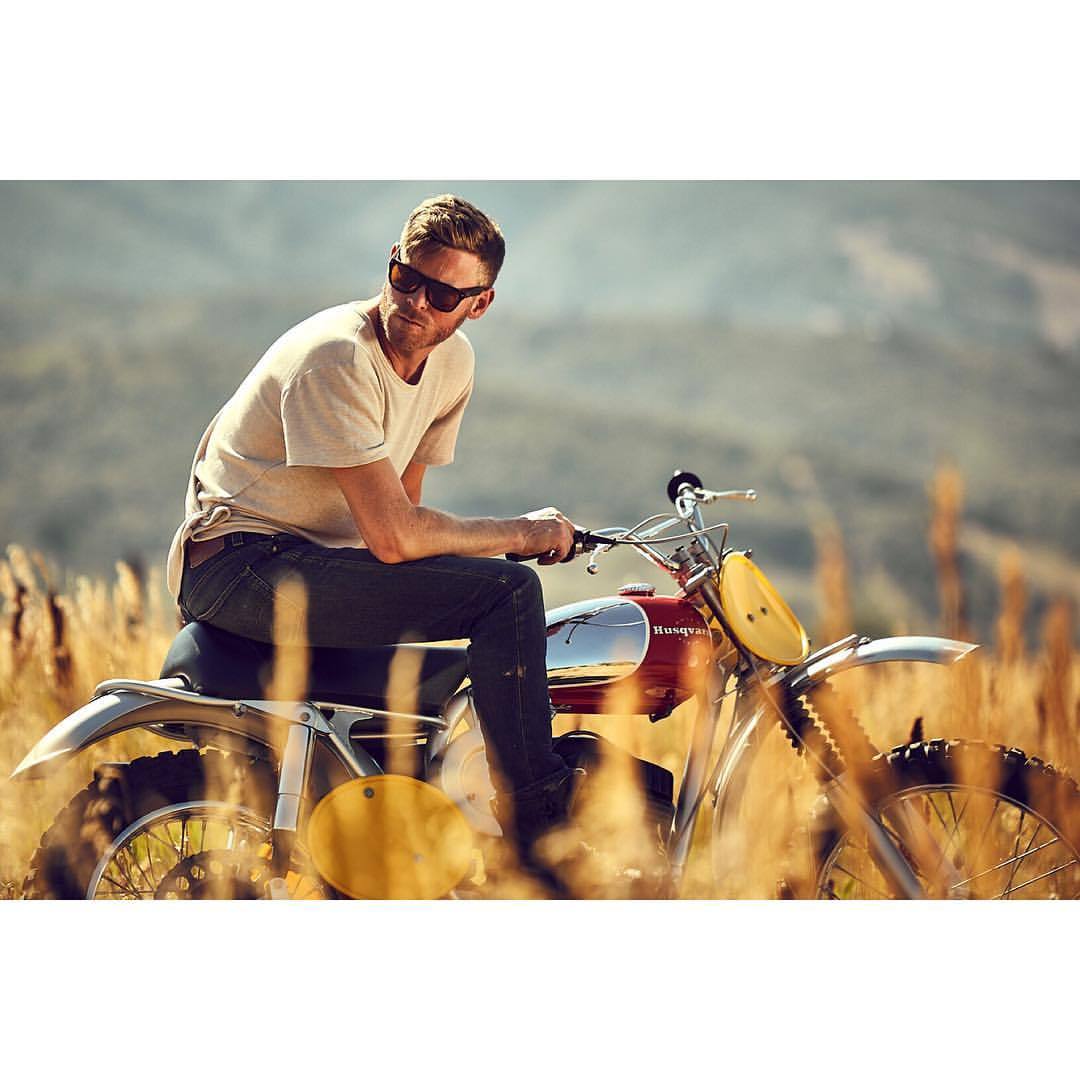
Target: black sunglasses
column 441, row 297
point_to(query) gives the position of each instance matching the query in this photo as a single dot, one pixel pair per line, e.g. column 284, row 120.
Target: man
column 314, row 469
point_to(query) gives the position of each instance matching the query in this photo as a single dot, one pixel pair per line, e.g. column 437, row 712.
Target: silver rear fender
column 123, row 709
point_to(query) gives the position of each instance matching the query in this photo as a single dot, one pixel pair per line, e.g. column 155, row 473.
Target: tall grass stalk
column 946, row 499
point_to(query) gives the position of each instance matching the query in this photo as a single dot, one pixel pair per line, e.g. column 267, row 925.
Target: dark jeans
column 355, row 601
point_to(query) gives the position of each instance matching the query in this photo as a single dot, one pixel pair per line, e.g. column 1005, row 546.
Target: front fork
column 727, row 782
column 916, row 836
column 854, row 814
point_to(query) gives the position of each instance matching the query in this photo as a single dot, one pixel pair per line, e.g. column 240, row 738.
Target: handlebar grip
column 579, row 539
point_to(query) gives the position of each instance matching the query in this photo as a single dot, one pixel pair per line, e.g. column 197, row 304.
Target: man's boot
column 531, row 812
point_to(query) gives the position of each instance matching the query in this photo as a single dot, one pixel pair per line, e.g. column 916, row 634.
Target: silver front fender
column 926, row 650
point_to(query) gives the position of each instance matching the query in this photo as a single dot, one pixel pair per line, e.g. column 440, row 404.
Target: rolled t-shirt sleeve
column 436, row 447
column 332, row 416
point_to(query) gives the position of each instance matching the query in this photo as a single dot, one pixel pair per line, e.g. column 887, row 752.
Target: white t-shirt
column 323, row 396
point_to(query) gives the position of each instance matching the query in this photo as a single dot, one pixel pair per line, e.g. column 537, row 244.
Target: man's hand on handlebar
column 547, row 533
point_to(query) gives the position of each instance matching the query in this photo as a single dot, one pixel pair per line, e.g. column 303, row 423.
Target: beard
column 408, row 337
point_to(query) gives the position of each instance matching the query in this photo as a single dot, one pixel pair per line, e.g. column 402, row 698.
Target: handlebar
column 687, row 485
column 686, row 492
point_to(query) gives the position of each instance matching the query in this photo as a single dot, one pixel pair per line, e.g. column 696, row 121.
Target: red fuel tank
column 639, row 654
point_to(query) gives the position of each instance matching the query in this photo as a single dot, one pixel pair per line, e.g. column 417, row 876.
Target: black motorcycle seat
column 219, row 664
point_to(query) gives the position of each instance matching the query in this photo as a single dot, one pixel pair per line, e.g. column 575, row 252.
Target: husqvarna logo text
column 682, row 631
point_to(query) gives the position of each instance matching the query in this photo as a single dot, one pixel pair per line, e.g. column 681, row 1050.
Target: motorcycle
column 347, row 794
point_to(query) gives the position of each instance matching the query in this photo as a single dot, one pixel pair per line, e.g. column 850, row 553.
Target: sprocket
column 224, row 874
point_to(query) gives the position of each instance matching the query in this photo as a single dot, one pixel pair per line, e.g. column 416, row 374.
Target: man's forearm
column 423, row 532
column 397, row 529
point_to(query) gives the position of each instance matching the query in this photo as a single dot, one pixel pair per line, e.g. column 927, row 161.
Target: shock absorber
column 293, row 774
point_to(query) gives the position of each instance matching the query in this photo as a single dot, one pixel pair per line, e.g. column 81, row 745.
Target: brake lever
column 585, row 541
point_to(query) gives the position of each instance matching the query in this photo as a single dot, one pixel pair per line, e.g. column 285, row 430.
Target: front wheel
column 1003, row 825
column 183, row 826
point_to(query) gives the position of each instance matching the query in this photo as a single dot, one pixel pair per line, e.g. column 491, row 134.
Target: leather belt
column 198, row 551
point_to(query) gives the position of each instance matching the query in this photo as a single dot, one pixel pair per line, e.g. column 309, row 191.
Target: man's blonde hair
column 453, row 222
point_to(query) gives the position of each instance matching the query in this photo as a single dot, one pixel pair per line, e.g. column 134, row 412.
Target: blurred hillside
column 976, row 261
column 828, row 344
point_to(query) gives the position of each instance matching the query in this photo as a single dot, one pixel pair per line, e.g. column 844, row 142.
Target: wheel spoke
column 952, row 809
column 1015, row 860
column 952, row 841
column 1049, row 873
column 1026, row 851
column 986, row 830
column 167, row 843
column 170, row 839
column 127, row 890
column 855, row 877
column 954, row 836
column 125, row 868
column 943, row 850
column 933, row 806
column 153, row 879
column 150, row 859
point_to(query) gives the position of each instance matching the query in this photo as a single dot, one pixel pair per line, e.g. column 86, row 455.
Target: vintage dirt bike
column 286, row 799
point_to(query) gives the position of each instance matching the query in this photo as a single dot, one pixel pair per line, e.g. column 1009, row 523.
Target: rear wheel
column 175, row 826
column 1002, row 825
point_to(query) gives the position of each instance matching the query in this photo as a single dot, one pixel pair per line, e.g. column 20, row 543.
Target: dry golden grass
column 54, row 649
column 946, row 497
column 55, row 646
